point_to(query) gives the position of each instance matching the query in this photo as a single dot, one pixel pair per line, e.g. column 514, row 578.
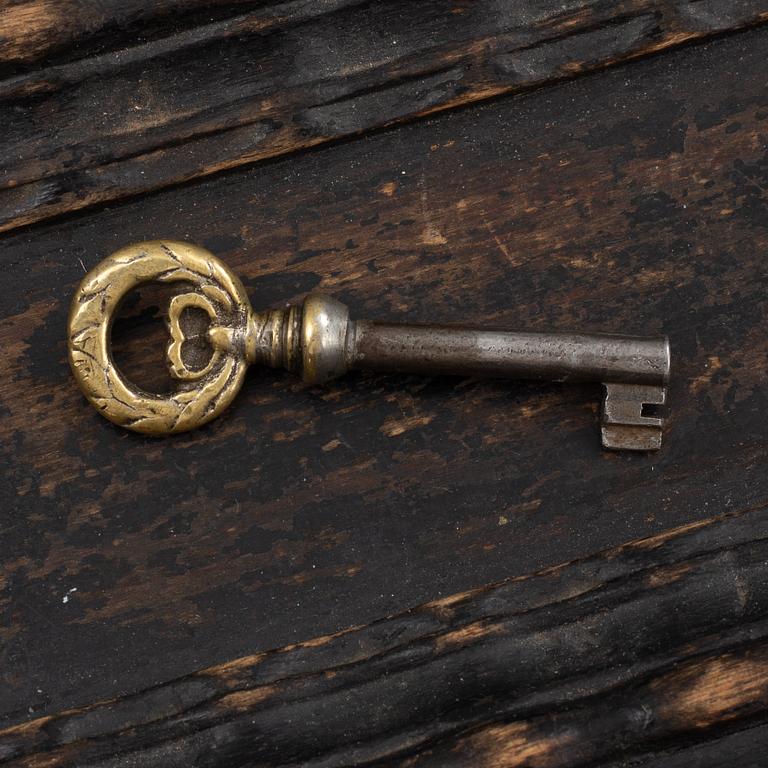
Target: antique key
column 318, row 340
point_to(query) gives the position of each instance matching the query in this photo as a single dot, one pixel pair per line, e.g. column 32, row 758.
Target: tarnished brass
column 318, row 340
column 204, row 392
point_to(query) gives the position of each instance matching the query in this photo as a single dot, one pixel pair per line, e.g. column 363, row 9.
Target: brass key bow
column 318, row 340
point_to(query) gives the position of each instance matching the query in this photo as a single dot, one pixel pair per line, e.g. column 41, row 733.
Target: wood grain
column 632, row 200
column 101, row 123
column 615, row 655
column 40, row 32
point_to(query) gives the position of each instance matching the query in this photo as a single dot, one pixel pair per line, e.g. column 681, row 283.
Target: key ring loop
column 203, row 394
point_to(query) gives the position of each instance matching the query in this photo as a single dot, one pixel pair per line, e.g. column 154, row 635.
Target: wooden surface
column 630, row 199
column 616, row 655
column 134, row 96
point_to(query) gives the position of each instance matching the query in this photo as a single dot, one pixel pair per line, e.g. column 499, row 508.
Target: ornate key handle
column 205, row 391
column 318, row 340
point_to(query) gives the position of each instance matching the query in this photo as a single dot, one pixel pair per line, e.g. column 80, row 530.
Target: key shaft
column 467, row 351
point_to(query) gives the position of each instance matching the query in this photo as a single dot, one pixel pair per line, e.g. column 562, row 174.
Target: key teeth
column 624, row 427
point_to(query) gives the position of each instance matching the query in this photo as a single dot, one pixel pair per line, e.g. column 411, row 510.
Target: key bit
column 318, row 340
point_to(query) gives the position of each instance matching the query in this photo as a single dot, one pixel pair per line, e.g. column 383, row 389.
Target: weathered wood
column 612, row 656
column 38, row 32
column 280, row 77
column 633, row 200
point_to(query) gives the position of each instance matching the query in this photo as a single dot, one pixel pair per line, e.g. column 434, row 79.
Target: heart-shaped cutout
column 183, row 342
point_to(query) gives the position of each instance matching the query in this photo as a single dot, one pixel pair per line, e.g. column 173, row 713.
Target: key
column 317, row 340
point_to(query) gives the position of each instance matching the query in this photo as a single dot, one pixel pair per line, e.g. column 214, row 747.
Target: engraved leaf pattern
column 97, row 300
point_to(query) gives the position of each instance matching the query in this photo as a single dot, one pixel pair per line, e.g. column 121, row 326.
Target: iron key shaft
column 451, row 350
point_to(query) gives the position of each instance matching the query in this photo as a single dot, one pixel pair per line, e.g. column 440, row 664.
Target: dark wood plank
column 287, row 76
column 633, row 200
column 657, row 642
column 38, row 32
